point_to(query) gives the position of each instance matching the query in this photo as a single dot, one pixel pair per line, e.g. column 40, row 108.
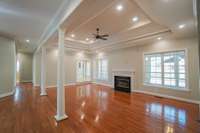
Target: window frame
column 186, row 88
column 97, row 75
column 85, row 73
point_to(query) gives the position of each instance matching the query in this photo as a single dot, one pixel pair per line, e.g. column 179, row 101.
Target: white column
column 43, row 72
column 60, row 78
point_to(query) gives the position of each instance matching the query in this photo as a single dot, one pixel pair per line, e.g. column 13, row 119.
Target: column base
column 43, row 94
column 60, row 118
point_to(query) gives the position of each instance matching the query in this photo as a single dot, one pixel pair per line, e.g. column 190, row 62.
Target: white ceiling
column 26, row 19
column 156, row 17
column 29, row 19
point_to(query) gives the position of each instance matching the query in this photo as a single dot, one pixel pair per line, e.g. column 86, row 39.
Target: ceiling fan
column 102, row 37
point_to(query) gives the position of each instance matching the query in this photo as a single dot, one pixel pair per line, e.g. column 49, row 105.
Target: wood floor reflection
column 95, row 109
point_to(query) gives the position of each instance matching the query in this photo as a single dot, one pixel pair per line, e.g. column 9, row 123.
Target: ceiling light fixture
column 72, row 35
column 135, row 19
column 181, row 26
column 159, row 38
column 119, row 7
column 27, row 41
column 87, row 39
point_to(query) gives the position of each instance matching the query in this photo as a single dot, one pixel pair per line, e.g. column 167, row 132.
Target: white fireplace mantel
column 124, row 72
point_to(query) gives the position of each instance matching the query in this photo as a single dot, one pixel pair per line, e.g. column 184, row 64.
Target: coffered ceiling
column 154, row 18
column 126, row 21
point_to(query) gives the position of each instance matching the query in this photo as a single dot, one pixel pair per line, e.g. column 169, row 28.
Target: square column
column 60, row 77
column 43, row 73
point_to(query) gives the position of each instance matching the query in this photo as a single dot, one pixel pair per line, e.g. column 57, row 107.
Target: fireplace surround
column 122, row 83
column 128, row 73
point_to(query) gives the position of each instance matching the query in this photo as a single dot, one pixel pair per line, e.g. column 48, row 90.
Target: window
column 83, row 70
column 102, row 69
column 166, row 69
column 18, row 65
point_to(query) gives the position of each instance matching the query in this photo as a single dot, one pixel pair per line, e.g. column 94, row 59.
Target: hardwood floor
column 95, row 109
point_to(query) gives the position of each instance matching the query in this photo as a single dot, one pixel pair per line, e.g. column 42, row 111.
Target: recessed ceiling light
column 87, row 39
column 72, row 35
column 27, row 41
column 159, row 38
column 119, row 7
column 135, row 19
column 181, row 26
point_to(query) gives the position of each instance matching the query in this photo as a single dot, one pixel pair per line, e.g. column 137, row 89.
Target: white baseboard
column 36, row 85
column 167, row 96
column 104, row 84
column 26, row 81
column 7, row 94
column 69, row 84
column 51, row 86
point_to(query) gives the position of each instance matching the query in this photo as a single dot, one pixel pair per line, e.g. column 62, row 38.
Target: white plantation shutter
column 166, row 69
column 102, row 69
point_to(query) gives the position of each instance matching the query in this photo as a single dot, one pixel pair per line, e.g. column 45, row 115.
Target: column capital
column 61, row 29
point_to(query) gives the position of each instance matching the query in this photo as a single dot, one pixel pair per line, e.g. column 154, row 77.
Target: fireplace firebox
column 122, row 83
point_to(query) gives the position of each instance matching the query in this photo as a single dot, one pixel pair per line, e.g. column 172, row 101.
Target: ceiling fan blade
column 106, row 35
column 103, row 38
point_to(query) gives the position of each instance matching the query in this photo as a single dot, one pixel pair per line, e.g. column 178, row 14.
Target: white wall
column 119, row 59
column 191, row 45
column 7, row 65
column 132, row 58
column 70, row 66
column 25, row 71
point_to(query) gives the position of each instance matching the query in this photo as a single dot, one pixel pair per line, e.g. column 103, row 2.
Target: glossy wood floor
column 95, row 109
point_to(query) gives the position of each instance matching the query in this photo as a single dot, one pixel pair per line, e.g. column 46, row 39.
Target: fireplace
column 122, row 83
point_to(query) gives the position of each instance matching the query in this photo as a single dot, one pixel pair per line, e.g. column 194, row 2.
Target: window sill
column 168, row 88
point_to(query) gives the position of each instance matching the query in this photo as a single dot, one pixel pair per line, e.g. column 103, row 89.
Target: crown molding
column 130, row 42
column 74, row 46
column 66, row 8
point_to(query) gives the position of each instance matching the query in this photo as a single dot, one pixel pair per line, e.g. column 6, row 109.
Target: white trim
column 107, row 75
column 85, row 60
column 167, row 96
column 195, row 9
column 165, row 87
column 64, row 11
column 15, row 64
column 26, row 81
column 36, row 85
column 123, row 70
column 69, row 84
column 7, row 94
column 104, row 84
column 51, row 86
column 131, row 41
column 60, row 118
column 34, row 69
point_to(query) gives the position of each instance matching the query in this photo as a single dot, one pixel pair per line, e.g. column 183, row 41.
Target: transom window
column 167, row 69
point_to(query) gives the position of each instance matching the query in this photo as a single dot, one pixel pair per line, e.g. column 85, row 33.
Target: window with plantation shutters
column 167, row 69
